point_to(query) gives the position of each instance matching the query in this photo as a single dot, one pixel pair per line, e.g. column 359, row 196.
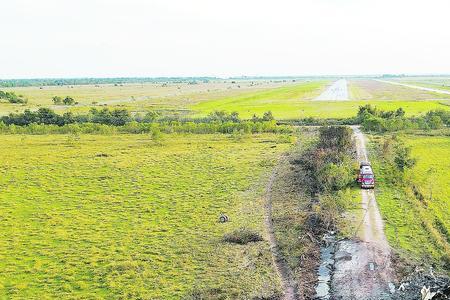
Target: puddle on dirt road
column 347, row 271
column 324, row 273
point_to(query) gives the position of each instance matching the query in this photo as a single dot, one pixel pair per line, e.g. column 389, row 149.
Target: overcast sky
column 105, row 38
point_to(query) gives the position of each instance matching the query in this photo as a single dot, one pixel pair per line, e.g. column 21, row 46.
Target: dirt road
column 416, row 87
column 363, row 264
column 337, row 91
column 289, row 286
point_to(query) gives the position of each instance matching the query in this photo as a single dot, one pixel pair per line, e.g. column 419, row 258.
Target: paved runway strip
column 337, row 91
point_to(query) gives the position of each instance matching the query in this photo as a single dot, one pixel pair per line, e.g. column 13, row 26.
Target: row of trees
column 373, row 119
column 223, row 116
column 11, row 97
column 46, row 116
column 117, row 117
column 92, row 81
column 154, row 129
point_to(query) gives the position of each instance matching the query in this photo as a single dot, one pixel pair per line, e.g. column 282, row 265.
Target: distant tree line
column 11, row 97
column 93, row 81
column 45, row 120
column 373, row 119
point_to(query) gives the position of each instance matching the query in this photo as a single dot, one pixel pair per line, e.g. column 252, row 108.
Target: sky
column 151, row 38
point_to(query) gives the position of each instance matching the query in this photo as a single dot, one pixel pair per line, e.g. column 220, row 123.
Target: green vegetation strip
column 415, row 202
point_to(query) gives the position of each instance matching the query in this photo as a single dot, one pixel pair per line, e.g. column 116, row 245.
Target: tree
column 403, row 158
column 400, row 112
column 435, row 122
column 68, row 101
column 120, row 117
column 150, row 117
column 268, row 116
column 57, row 100
column 11, row 97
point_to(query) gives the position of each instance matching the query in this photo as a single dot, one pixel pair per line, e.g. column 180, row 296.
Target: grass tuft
column 242, row 236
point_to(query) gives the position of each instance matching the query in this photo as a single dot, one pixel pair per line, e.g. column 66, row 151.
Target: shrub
column 336, row 176
column 57, row 100
column 330, row 161
column 435, row 122
column 242, row 236
column 11, row 97
column 376, row 120
column 403, row 158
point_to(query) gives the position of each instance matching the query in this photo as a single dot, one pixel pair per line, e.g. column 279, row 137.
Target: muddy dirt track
column 363, row 264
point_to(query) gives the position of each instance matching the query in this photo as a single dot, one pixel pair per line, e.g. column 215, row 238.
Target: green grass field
column 87, row 217
column 375, row 90
column 419, row 229
column 432, row 173
column 440, row 83
column 289, row 110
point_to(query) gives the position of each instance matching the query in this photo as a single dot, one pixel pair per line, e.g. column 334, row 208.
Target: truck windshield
column 368, row 176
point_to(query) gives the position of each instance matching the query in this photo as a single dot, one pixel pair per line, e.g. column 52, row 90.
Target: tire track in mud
column 363, row 264
column 289, row 285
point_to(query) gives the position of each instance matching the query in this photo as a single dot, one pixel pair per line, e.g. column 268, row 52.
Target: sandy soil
column 363, row 264
column 337, row 91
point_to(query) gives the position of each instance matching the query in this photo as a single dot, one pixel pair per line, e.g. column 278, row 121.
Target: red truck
column 365, row 177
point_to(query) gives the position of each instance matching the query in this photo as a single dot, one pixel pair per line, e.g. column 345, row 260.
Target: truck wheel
column 223, row 218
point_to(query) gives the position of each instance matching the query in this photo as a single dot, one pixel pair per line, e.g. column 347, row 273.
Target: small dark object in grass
column 223, row 218
column 101, row 155
column 242, row 236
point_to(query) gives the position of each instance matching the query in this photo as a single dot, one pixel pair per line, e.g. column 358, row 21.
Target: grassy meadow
column 376, row 90
column 90, row 217
column 440, row 83
column 136, row 97
column 417, row 222
column 116, row 216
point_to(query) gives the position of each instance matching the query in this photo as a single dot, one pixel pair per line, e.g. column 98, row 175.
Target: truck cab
column 366, row 177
